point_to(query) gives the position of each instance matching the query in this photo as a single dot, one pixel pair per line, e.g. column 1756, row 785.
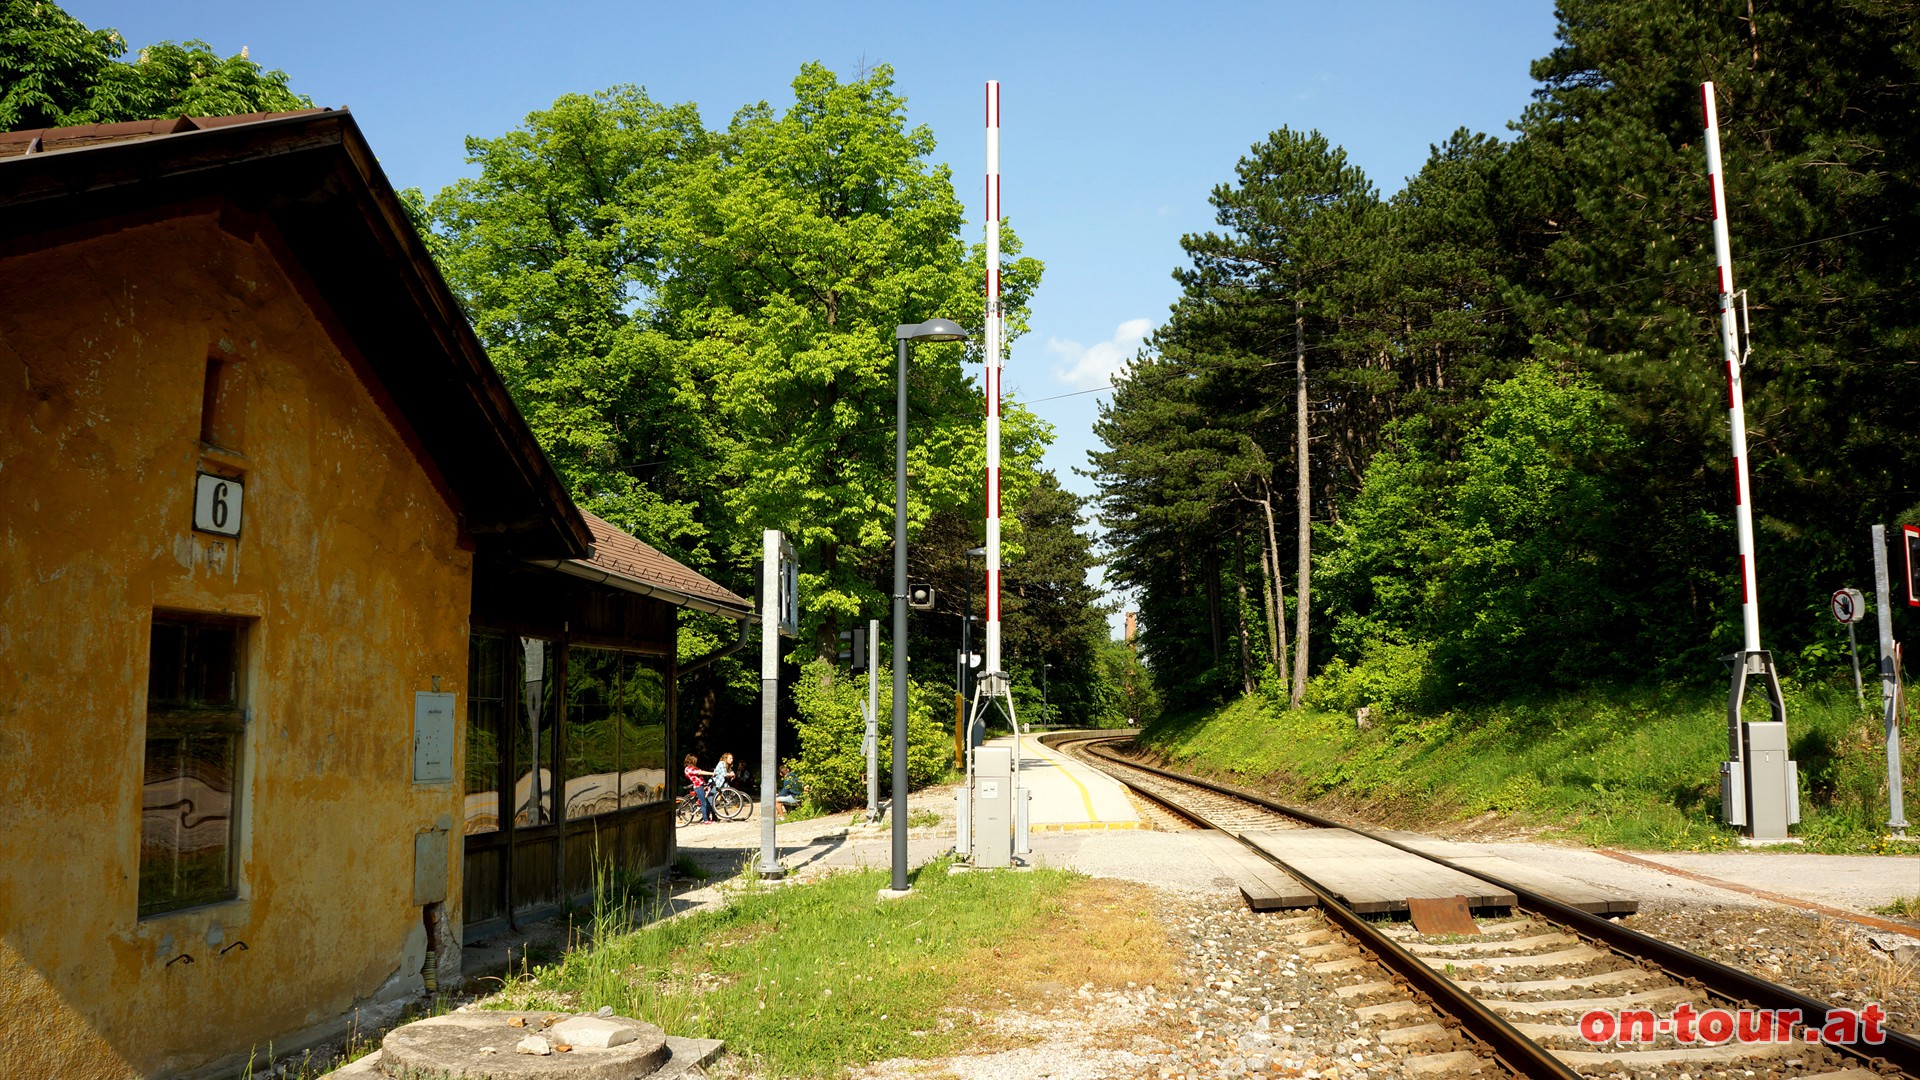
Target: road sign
column 1848, row 605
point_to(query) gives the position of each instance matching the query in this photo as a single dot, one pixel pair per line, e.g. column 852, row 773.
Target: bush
column 1391, row 679
column 831, row 766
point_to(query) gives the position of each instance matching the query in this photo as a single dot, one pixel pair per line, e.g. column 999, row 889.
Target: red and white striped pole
column 993, row 358
column 1736, row 399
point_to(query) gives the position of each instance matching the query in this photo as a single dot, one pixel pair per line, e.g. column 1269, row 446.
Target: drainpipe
column 699, row 662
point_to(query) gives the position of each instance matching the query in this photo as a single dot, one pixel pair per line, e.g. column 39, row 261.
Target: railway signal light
column 853, row 650
column 920, row 597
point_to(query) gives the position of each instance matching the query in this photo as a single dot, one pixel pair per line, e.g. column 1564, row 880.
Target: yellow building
column 252, row 463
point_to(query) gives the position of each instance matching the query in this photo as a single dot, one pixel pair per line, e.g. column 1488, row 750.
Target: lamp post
column 931, row 330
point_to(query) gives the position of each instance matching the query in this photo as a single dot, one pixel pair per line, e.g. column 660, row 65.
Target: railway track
column 1526, row 986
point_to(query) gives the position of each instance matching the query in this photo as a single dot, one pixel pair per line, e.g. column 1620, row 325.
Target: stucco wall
column 351, row 571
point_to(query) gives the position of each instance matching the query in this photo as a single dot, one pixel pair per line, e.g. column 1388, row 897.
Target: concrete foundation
column 485, row 1045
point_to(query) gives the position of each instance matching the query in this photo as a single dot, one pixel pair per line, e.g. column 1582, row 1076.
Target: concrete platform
column 1067, row 794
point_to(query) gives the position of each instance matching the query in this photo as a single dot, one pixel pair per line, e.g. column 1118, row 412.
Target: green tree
column 832, row 728
column 55, row 72
column 699, row 327
column 1292, row 223
column 797, row 249
column 558, row 250
column 1819, row 108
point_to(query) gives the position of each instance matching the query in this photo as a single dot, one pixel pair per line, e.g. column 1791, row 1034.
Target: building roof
column 308, row 185
column 626, row 562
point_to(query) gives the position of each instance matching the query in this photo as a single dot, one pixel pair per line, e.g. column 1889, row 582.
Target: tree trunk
column 1248, row 682
column 1266, row 599
column 826, row 641
column 1271, row 550
column 1303, row 575
column 1213, row 600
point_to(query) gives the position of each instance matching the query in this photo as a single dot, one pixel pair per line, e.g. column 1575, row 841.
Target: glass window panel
column 212, row 659
column 486, row 665
column 188, row 789
column 167, row 652
column 186, row 820
column 643, row 730
column 533, row 735
column 593, row 733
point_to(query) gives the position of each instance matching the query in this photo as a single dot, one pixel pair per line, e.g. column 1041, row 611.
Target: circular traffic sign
column 1848, row 605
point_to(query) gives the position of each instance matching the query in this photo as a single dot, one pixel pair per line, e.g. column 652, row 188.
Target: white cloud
column 1087, row 366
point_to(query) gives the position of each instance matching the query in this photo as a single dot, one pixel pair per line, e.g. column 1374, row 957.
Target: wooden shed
column 570, row 748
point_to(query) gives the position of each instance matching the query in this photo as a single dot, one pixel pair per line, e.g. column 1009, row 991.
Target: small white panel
column 989, row 789
column 216, row 504
column 432, row 738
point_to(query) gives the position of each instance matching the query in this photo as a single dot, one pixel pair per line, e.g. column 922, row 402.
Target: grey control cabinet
column 992, row 806
column 1773, row 797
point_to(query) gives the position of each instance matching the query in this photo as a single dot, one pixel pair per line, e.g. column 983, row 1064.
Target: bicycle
column 730, row 804
column 686, row 809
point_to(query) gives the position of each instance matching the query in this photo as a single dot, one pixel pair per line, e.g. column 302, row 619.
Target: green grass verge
column 807, row 978
column 1630, row 768
column 1902, row 907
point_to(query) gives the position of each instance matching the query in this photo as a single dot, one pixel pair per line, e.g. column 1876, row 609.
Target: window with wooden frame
column 189, row 796
column 616, row 744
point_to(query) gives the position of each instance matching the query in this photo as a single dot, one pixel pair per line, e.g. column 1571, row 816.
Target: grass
column 1902, row 907
column 810, row 978
column 1634, row 768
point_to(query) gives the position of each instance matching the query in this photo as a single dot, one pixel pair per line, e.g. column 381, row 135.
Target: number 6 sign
column 216, row 504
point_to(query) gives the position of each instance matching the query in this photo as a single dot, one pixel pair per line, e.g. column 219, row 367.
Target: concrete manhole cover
column 484, row 1045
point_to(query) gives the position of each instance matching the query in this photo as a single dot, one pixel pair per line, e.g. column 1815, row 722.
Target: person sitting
column 790, row 791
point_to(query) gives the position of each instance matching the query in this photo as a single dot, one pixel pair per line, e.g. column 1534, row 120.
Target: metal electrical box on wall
column 430, row 867
column 432, row 738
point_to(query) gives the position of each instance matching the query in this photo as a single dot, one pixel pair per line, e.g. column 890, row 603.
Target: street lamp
column 931, row 330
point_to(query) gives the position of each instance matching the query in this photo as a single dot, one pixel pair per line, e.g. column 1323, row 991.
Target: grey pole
column 1853, row 650
column 769, row 698
column 900, row 616
column 931, row 330
column 1883, row 599
column 873, row 721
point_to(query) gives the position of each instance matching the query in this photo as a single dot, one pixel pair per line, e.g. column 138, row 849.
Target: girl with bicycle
column 701, row 793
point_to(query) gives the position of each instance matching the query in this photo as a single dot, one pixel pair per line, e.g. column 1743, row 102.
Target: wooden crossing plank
column 1370, row 876
column 1265, row 886
column 1587, row 896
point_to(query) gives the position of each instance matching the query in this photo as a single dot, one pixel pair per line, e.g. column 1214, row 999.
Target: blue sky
column 1118, row 118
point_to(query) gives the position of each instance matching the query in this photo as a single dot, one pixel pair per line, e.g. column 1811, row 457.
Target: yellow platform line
column 1082, row 826
column 1086, row 796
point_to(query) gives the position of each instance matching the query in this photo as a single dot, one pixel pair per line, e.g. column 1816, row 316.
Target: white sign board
column 432, row 738
column 789, row 610
column 216, row 504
